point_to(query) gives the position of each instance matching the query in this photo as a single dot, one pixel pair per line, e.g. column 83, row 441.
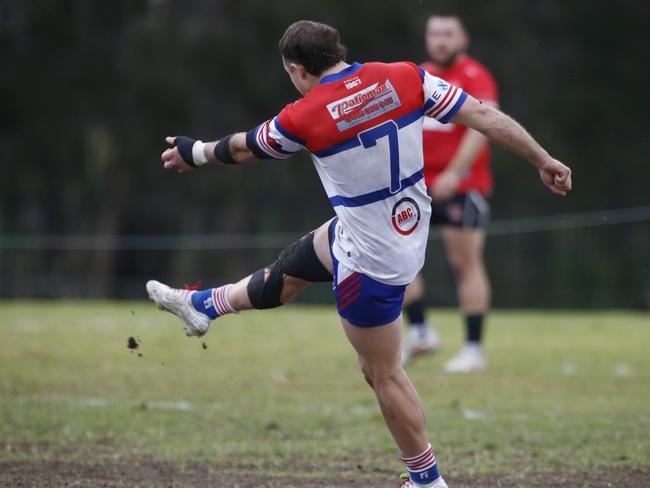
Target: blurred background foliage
column 89, row 89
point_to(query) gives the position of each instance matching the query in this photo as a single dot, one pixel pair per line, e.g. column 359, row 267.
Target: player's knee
column 457, row 260
column 381, row 374
column 298, row 260
column 301, row 261
column 368, row 376
column 386, row 379
column 265, row 288
column 366, row 371
column 466, row 265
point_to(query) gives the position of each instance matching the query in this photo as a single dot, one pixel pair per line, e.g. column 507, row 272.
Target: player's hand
column 556, row 176
column 445, row 186
column 172, row 159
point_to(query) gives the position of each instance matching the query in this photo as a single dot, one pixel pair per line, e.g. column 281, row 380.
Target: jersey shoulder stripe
column 288, row 134
column 443, row 99
column 270, row 140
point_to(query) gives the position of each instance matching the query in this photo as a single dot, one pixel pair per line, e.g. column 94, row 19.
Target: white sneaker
column 416, row 344
column 179, row 302
column 469, row 359
column 407, row 483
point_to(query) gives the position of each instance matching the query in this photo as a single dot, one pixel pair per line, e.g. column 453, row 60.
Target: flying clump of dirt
column 132, row 343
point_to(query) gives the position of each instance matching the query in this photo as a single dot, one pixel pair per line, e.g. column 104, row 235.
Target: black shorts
column 469, row 210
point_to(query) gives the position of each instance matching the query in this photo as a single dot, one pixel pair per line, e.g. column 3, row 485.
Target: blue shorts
column 360, row 300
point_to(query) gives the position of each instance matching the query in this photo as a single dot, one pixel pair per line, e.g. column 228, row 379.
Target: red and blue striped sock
column 213, row 302
column 422, row 468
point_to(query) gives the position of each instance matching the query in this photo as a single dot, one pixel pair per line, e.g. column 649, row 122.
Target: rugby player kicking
column 362, row 125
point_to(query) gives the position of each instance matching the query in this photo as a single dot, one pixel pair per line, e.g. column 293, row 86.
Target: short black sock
column 415, row 312
column 474, row 327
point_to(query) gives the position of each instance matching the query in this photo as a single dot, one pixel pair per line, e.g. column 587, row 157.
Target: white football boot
column 469, row 359
column 179, row 302
column 418, row 344
column 407, row 483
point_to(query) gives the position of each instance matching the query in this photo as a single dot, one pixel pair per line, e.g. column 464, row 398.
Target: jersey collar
column 344, row 73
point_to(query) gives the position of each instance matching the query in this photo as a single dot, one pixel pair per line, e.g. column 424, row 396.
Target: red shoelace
column 194, row 287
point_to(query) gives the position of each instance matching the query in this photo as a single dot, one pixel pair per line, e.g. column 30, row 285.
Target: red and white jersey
column 441, row 141
column 363, row 128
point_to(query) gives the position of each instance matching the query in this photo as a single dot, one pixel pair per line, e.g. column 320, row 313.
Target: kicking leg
column 303, row 262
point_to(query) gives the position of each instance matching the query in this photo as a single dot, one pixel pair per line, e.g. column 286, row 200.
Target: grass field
column 276, row 400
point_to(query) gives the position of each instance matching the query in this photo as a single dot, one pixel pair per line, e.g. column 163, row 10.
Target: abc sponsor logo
column 406, row 216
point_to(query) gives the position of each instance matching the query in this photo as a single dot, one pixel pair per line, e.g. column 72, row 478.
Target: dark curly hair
column 313, row 45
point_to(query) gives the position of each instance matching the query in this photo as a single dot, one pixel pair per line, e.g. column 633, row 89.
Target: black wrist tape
column 184, row 145
column 222, row 150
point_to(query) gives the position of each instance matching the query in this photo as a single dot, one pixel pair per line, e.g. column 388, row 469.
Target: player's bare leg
column 378, row 350
column 465, row 254
column 464, row 249
column 379, row 358
column 414, row 291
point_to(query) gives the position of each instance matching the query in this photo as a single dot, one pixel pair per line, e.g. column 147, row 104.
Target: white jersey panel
column 380, row 233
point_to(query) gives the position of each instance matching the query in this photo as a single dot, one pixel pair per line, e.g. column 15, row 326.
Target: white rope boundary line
column 182, row 405
column 277, row 240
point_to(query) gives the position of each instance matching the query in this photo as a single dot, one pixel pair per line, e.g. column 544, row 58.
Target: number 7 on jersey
column 369, row 139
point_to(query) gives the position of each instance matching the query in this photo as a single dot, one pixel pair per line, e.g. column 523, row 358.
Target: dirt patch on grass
column 157, row 474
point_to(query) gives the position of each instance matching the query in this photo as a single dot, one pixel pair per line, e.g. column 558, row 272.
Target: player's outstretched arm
column 187, row 153
column 505, row 131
